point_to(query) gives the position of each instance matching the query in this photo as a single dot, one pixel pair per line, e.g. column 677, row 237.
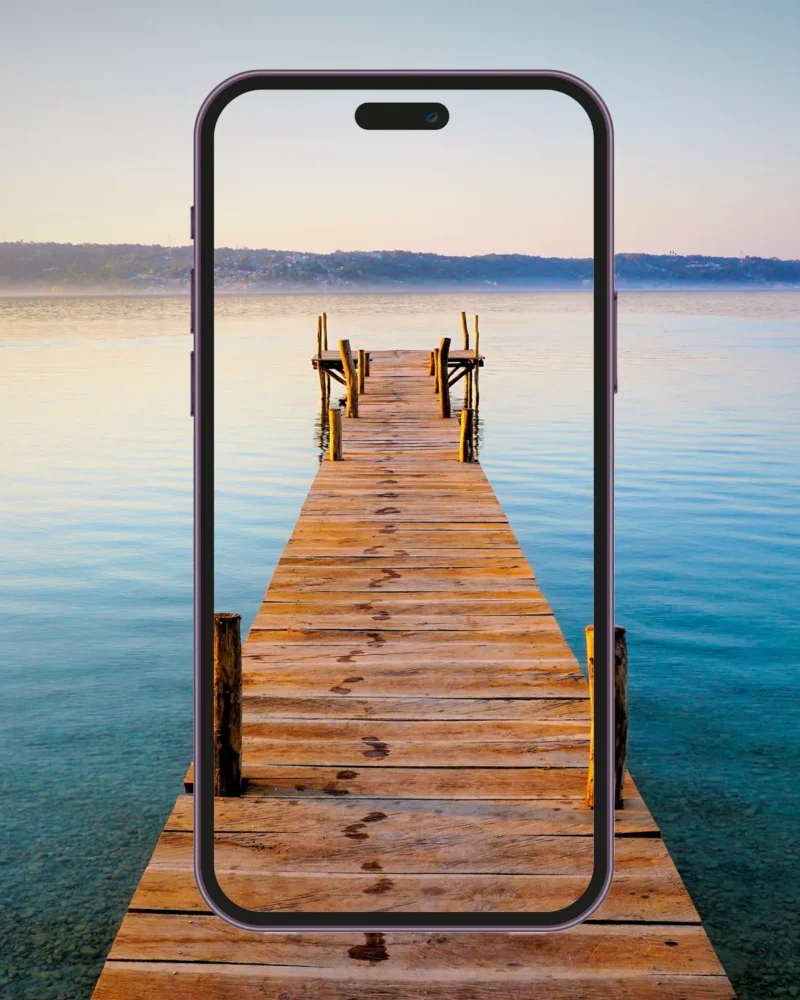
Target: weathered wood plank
column 446, row 845
column 607, row 949
column 180, row 981
column 314, row 781
column 643, row 896
column 552, row 817
column 343, row 705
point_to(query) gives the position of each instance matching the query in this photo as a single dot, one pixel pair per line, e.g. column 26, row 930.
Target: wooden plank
column 607, row 949
column 341, row 704
column 299, row 603
column 646, row 897
column 314, row 781
column 395, row 845
column 179, row 981
column 344, row 817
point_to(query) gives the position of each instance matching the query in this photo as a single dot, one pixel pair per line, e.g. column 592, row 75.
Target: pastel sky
column 100, row 100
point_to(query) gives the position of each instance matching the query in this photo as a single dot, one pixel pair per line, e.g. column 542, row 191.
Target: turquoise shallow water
column 96, row 590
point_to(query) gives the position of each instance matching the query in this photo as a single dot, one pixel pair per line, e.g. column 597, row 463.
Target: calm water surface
column 95, row 720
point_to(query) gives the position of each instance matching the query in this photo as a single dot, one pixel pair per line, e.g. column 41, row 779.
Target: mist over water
column 95, row 722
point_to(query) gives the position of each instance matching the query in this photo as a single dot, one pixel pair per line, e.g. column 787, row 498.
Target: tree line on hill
column 50, row 267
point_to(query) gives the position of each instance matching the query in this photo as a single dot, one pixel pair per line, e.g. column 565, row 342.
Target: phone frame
column 604, row 379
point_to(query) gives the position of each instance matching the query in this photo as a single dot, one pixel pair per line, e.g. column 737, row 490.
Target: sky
column 101, row 98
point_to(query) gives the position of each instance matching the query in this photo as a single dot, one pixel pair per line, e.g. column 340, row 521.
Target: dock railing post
column 324, row 331
column 436, row 371
column 351, row 377
column 362, row 370
column 465, row 331
column 324, row 389
column 335, row 434
column 443, row 377
column 431, row 362
column 620, row 713
column 465, row 449
column 227, row 705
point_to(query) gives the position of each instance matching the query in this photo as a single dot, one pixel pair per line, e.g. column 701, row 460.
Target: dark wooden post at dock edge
column 362, row 371
column 227, row 705
column 350, row 376
column 443, row 377
column 620, row 713
column 324, row 385
column 465, row 446
column 335, row 434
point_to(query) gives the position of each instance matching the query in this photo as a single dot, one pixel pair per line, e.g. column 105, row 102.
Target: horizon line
column 377, row 250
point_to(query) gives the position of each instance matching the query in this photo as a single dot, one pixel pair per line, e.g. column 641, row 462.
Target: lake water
column 95, row 722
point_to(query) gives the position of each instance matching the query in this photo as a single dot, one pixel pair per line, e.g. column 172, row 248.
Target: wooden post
column 227, row 705
column 444, row 385
column 362, row 370
column 620, row 713
column 465, row 450
column 324, row 331
column 431, row 362
column 436, row 371
column 476, row 393
column 368, row 356
column 335, row 434
column 465, row 331
column 351, row 378
column 590, row 668
column 324, row 389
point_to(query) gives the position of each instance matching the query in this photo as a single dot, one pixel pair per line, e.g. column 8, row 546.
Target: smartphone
column 403, row 383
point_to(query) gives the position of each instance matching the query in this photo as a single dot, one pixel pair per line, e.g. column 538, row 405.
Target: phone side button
column 191, row 222
column 191, row 383
column 614, row 343
column 191, row 301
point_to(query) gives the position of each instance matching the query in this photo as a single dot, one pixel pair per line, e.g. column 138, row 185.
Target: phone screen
column 403, row 515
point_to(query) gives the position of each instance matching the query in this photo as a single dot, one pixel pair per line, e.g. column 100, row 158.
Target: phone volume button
column 191, row 383
column 191, row 301
column 614, row 348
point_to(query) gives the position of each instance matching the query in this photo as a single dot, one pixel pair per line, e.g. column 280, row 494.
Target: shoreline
column 266, row 291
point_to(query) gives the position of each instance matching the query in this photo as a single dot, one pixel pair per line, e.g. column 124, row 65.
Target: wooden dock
column 415, row 738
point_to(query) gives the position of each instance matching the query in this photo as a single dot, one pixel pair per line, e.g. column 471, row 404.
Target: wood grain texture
column 415, row 738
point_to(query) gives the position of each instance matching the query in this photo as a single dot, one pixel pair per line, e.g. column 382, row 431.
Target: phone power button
column 614, row 341
column 191, row 383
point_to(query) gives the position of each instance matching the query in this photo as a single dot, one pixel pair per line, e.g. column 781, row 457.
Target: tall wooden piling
column 465, row 331
column 227, row 705
column 620, row 713
column 476, row 391
column 324, row 331
column 444, row 383
column 362, row 370
column 324, row 380
column 465, row 448
column 335, row 434
column 351, row 377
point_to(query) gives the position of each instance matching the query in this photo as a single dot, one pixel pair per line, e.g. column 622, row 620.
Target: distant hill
column 62, row 267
